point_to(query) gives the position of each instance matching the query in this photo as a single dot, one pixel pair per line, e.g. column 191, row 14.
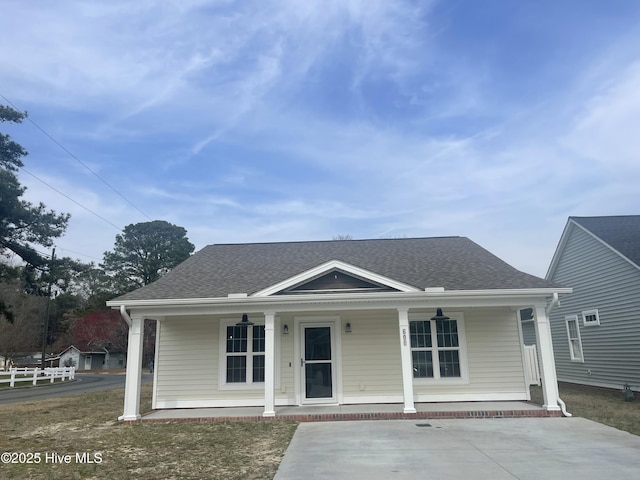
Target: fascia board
column 326, row 268
column 357, row 300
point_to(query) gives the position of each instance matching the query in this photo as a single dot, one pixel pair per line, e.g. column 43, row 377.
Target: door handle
column 302, row 362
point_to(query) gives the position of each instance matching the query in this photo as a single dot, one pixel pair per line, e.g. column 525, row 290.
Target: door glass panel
column 318, row 377
column 317, row 343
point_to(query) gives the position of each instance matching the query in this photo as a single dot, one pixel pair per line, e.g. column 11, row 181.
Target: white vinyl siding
column 189, row 357
column 371, row 355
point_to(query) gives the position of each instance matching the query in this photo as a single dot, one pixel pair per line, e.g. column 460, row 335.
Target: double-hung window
column 437, row 349
column 244, row 354
column 575, row 342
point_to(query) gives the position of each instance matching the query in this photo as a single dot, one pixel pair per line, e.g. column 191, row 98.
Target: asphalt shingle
column 455, row 263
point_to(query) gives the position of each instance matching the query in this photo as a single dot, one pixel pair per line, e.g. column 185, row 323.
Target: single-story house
column 338, row 322
column 87, row 359
column 596, row 330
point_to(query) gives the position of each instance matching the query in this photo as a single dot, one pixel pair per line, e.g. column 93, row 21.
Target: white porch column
column 134, row 370
column 405, row 355
column 269, row 364
column 547, row 362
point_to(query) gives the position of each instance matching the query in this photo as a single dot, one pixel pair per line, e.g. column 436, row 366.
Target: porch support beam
column 134, row 370
column 405, row 355
column 269, row 364
column 547, row 362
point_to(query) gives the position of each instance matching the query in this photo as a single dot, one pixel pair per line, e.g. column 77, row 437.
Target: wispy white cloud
column 282, row 120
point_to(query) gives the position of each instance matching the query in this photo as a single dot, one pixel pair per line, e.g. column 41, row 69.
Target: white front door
column 318, row 363
column 87, row 362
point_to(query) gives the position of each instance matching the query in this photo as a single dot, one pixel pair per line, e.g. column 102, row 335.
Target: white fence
column 531, row 367
column 33, row 375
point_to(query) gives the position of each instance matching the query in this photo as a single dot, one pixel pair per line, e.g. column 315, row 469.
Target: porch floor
column 377, row 411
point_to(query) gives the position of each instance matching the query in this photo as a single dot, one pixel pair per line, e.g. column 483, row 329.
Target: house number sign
column 404, row 337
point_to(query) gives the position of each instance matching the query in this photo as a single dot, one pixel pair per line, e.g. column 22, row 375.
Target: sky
column 285, row 120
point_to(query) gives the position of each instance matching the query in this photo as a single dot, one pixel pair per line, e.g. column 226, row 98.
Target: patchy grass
column 601, row 405
column 171, row 450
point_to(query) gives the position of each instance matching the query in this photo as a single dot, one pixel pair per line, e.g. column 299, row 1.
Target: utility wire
column 69, row 198
column 77, row 160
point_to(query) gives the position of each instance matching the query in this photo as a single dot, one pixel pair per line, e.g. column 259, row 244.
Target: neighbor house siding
column 602, row 280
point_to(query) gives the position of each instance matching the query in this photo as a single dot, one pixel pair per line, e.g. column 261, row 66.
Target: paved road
column 84, row 382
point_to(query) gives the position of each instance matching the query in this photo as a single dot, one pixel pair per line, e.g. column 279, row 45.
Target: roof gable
column 335, row 276
column 620, row 234
column 405, row 264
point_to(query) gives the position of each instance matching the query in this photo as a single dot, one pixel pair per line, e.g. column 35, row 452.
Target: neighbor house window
column 575, row 343
column 436, row 348
column 590, row 318
column 244, row 354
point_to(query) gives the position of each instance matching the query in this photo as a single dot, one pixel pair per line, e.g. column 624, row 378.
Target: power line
column 69, row 198
column 77, row 159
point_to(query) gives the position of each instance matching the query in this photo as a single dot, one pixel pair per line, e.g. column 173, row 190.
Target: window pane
column 573, row 329
column 258, row 338
column 236, row 339
column 317, row 343
column 420, row 334
column 318, row 380
column 447, row 331
column 449, row 363
column 237, row 369
column 258, row 368
column 422, row 364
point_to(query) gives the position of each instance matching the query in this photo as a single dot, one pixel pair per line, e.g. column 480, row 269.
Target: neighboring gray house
column 596, row 330
column 393, row 321
column 91, row 360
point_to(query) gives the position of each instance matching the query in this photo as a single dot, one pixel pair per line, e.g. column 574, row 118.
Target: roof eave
column 398, row 298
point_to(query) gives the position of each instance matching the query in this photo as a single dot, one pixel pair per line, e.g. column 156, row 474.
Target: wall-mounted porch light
column 285, row 329
column 347, row 328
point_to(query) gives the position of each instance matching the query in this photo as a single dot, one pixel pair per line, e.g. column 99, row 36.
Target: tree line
column 67, row 294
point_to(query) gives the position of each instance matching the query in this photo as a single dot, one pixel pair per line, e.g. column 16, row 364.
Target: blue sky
column 303, row 120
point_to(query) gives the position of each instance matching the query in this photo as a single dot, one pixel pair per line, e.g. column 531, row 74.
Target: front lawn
column 86, row 425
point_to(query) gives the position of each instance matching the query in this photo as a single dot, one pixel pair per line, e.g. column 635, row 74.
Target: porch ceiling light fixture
column 439, row 315
column 244, row 322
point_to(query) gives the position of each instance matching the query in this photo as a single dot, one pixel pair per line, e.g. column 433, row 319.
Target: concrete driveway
column 495, row 449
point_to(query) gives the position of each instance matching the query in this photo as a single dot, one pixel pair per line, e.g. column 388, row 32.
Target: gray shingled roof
column 620, row 232
column 455, row 263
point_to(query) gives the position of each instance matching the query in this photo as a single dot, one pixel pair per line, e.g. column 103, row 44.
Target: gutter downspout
column 127, row 318
column 555, row 301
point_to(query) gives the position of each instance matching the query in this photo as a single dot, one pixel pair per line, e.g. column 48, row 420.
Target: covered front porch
column 326, row 413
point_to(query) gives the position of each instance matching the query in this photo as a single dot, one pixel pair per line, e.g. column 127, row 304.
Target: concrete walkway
column 495, row 449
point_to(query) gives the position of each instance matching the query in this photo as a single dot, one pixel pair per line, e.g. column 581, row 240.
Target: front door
column 318, row 369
